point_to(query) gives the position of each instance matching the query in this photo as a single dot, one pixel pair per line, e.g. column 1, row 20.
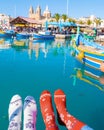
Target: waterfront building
column 92, row 20
column 25, row 22
column 4, row 21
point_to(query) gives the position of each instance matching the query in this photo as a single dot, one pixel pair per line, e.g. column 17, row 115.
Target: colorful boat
column 2, row 34
column 89, row 53
column 7, row 34
column 22, row 36
column 43, row 35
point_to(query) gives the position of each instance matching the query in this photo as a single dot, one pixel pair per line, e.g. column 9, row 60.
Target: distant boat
column 22, row 35
column 10, row 33
column 2, row 34
column 43, row 35
column 7, row 34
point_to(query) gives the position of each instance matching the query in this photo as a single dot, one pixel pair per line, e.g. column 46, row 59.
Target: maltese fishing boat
column 90, row 53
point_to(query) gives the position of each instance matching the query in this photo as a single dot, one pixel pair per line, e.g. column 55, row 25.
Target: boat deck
column 90, row 49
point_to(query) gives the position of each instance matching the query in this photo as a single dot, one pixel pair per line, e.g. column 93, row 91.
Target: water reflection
column 56, row 47
column 5, row 43
column 44, row 46
column 89, row 75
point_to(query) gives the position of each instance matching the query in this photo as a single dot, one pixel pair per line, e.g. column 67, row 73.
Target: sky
column 75, row 8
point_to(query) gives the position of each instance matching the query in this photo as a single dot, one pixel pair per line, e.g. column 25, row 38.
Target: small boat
column 22, row 36
column 43, row 35
column 7, row 34
column 89, row 53
column 2, row 34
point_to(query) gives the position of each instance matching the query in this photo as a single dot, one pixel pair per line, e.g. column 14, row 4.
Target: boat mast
column 67, row 7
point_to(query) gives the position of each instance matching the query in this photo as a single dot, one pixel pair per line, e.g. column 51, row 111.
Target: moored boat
column 89, row 53
column 2, row 34
column 43, row 35
column 22, row 36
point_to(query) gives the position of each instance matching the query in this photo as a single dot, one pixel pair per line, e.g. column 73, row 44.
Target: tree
column 64, row 17
column 71, row 20
column 89, row 22
column 80, row 22
column 98, row 21
column 57, row 17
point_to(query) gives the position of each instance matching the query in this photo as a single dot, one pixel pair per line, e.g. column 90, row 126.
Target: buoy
column 102, row 67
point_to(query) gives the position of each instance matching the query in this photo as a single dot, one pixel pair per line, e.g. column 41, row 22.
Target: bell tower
column 38, row 13
column 31, row 12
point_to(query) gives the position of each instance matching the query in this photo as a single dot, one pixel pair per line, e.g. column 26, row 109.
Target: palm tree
column 64, row 17
column 89, row 22
column 71, row 20
column 98, row 21
column 57, row 17
column 81, row 22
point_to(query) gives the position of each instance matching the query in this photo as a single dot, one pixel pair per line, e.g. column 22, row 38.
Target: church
column 37, row 15
column 34, row 19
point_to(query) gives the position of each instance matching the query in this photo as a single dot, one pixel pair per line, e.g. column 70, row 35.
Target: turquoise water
column 49, row 65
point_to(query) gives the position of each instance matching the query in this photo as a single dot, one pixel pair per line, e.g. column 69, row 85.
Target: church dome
column 47, row 10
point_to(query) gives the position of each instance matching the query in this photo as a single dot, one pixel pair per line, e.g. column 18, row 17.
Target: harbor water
column 50, row 65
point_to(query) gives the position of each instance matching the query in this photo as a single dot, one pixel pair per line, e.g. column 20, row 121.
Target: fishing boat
column 7, row 34
column 22, row 36
column 10, row 33
column 89, row 53
column 2, row 34
column 43, row 35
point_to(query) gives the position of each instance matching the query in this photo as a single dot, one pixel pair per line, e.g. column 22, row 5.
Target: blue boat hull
column 91, row 63
column 38, row 36
column 22, row 36
column 92, row 60
column 90, row 53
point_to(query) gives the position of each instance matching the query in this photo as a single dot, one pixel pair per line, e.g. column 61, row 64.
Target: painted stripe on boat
column 92, row 63
column 98, row 57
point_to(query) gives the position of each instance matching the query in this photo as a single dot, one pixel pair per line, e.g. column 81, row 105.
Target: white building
column 4, row 21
